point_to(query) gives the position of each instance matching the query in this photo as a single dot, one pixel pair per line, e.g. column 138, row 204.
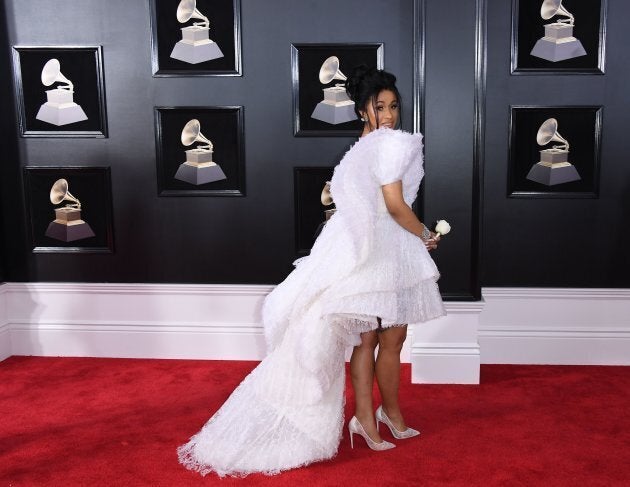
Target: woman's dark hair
column 364, row 84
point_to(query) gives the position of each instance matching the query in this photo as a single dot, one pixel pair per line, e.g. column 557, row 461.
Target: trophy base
column 550, row 176
column 336, row 95
column 334, row 113
column 75, row 230
column 199, row 174
column 61, row 114
column 558, row 49
column 195, row 157
column 196, row 53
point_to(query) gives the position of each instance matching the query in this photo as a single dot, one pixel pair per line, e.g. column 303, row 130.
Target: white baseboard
column 5, row 335
column 555, row 326
column 214, row 322
column 511, row 325
column 219, row 322
column 138, row 321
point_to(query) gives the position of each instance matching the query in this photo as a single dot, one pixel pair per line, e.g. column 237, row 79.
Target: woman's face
column 381, row 112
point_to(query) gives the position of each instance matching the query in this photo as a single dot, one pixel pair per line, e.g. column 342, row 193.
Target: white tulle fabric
column 289, row 411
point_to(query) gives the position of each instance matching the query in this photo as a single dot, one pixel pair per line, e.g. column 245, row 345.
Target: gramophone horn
column 330, row 71
column 187, row 9
column 550, row 8
column 548, row 132
column 191, row 133
column 326, row 197
column 51, row 73
column 59, row 192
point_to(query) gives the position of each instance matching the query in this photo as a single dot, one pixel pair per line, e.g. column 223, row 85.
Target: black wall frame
column 223, row 126
column 83, row 66
column 91, row 185
column 225, row 31
column 580, row 125
column 308, row 183
column 590, row 30
column 306, row 60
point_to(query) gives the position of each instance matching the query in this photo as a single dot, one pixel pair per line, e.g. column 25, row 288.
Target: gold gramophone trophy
column 67, row 225
column 327, row 200
column 336, row 107
column 60, row 108
column 558, row 43
column 199, row 167
column 554, row 166
column 195, row 46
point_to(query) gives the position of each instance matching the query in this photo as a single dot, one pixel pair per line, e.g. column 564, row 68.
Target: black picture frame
column 91, row 186
column 581, row 126
column 83, row 66
column 308, row 183
column 306, row 60
column 225, row 30
column 589, row 30
column 223, row 126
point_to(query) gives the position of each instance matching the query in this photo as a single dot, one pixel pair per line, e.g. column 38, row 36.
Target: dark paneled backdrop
column 542, row 242
column 558, row 242
column 198, row 239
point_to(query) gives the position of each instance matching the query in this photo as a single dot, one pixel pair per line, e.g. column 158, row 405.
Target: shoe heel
column 351, row 439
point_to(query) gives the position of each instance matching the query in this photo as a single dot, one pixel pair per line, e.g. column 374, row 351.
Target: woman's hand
column 432, row 243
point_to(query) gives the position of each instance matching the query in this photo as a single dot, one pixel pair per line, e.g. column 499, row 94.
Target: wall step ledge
column 555, row 326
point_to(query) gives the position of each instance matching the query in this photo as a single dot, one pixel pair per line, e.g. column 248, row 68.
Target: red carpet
column 107, row 422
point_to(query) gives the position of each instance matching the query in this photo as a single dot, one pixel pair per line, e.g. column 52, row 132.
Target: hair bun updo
column 365, row 82
column 355, row 80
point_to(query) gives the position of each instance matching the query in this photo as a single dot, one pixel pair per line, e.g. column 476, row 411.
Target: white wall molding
column 136, row 320
column 5, row 335
column 151, row 321
column 445, row 351
column 511, row 325
column 555, row 326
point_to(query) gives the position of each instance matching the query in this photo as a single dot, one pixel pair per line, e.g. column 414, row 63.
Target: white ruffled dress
column 288, row 411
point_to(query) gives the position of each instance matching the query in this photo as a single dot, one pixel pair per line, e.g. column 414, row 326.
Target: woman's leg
column 362, row 374
column 390, row 342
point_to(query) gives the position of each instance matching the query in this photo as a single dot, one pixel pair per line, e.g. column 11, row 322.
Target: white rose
column 442, row 227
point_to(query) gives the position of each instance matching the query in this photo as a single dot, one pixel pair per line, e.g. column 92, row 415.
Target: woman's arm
column 403, row 214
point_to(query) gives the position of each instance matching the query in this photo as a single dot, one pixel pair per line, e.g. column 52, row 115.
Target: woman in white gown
column 368, row 274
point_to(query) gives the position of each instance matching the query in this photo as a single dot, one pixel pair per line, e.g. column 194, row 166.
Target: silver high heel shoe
column 381, row 417
column 355, row 427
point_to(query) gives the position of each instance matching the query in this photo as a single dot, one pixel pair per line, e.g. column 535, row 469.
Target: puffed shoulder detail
column 396, row 135
column 392, row 153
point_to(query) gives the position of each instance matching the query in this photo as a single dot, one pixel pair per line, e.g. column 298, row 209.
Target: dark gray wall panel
column 557, row 242
column 449, row 115
column 12, row 246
